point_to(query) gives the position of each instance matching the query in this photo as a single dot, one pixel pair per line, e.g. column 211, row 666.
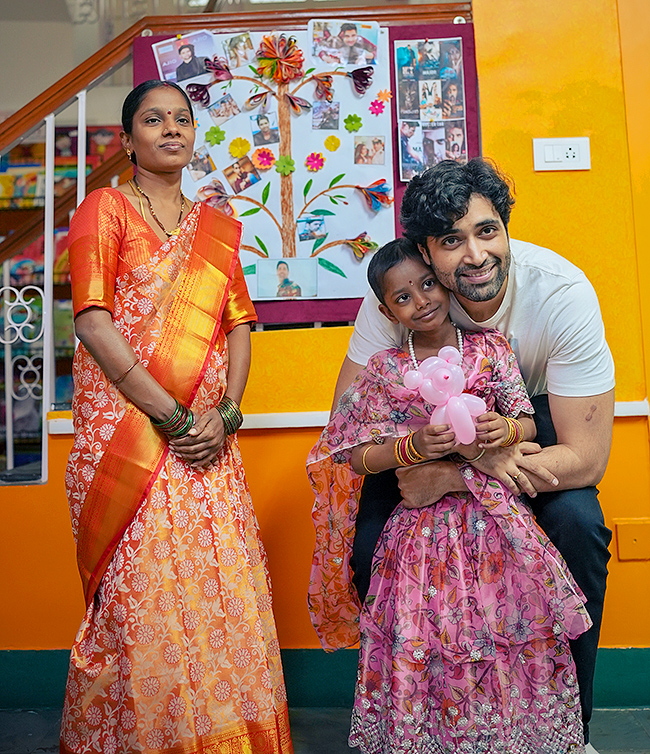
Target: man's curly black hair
column 436, row 199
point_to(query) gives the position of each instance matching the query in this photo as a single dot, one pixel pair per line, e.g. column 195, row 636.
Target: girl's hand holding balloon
column 440, row 381
column 434, row 442
column 491, row 430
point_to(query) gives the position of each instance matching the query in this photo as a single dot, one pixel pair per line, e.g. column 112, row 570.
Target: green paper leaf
column 311, row 70
column 253, row 211
column 254, row 70
column 265, row 193
column 318, row 243
column 337, row 179
column 262, row 246
column 331, row 267
column 308, row 186
column 323, row 212
column 332, row 199
column 249, row 269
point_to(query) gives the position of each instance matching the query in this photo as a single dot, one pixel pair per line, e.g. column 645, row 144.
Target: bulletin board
column 309, row 138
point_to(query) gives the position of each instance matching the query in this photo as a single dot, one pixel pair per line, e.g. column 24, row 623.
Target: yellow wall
column 552, row 68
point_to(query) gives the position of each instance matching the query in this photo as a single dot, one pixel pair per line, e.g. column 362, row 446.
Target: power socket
column 562, row 154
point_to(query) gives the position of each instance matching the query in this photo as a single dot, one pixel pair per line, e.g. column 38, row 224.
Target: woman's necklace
column 168, row 233
column 414, row 361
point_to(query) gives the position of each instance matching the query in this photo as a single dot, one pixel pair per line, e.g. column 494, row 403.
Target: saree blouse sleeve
column 239, row 308
column 94, row 240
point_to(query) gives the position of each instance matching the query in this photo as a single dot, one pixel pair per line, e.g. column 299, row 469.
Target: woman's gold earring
column 128, row 153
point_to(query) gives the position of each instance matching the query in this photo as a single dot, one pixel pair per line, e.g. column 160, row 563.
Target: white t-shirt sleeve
column 580, row 362
column 372, row 332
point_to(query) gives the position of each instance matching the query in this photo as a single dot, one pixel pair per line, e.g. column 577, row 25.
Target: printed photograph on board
column 325, row 115
column 239, row 50
column 369, row 150
column 179, row 60
column 287, row 278
column 241, row 174
column 265, row 129
column 430, row 103
column 223, row 109
column 201, row 164
column 348, row 43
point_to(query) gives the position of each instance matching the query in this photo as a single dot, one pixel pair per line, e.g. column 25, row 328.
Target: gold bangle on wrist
column 516, row 432
column 364, row 464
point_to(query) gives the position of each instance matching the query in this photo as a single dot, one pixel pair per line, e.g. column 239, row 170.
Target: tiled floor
column 320, row 731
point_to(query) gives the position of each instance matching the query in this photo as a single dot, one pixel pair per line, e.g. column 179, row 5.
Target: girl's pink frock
column 464, row 632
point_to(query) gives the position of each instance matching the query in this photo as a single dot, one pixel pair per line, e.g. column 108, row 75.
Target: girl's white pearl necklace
column 414, row 361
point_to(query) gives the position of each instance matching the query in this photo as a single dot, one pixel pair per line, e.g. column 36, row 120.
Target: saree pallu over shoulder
column 136, row 451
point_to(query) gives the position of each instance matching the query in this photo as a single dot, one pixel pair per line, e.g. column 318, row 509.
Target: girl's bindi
column 169, row 112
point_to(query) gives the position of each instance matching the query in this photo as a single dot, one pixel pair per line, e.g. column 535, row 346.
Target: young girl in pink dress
column 465, row 629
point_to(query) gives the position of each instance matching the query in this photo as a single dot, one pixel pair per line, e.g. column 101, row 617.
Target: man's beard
column 478, row 292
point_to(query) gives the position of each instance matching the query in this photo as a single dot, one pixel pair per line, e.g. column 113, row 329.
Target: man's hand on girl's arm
column 514, row 467
column 584, row 435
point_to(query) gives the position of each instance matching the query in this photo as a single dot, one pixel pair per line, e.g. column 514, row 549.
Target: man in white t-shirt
column 548, row 310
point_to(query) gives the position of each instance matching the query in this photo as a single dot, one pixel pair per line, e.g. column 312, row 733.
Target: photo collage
column 431, row 111
column 326, row 138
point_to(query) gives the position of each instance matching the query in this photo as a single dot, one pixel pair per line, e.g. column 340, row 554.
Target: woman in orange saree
column 178, row 649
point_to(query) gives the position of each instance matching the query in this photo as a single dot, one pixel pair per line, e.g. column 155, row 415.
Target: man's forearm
column 584, row 434
column 572, row 469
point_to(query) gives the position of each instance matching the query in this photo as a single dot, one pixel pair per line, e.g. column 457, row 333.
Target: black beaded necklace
column 168, row 233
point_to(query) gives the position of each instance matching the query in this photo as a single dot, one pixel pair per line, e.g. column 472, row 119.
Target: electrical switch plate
column 633, row 538
column 562, row 154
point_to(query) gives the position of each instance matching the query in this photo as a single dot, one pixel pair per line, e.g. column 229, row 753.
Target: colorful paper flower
column 261, row 99
column 377, row 194
column 199, row 93
column 314, row 161
column 362, row 78
column 362, row 245
column 285, row 165
column 215, row 135
column 332, row 143
column 324, row 83
column 385, row 95
column 219, row 68
column 279, row 58
column 214, row 194
column 263, row 158
column 239, row 147
column 353, row 123
column 376, row 107
column 298, row 104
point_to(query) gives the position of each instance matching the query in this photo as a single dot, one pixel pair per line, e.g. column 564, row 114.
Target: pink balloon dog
column 440, row 381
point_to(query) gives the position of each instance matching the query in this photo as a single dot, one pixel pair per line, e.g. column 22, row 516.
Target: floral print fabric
column 464, row 632
column 179, row 650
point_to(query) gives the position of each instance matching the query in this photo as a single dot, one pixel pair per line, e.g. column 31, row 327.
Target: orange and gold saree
column 178, row 649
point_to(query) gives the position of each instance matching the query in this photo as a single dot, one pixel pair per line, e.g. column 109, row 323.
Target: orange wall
column 555, row 68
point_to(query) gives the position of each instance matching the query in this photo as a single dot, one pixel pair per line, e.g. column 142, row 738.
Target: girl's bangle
column 471, row 460
column 515, row 432
column 364, row 464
